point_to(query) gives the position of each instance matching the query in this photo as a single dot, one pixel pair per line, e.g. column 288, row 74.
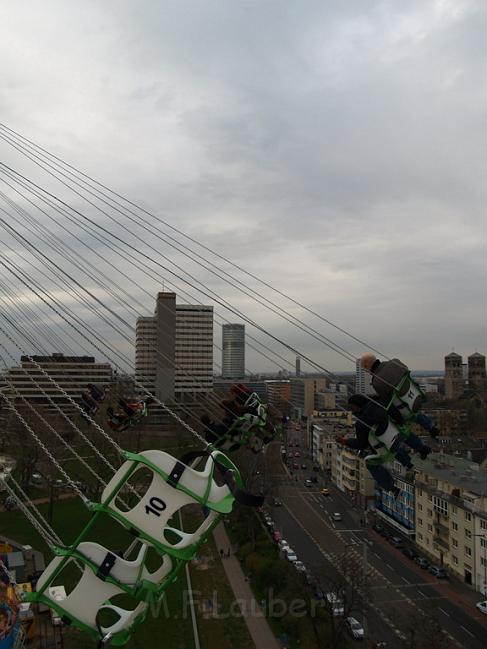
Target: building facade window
column 455, row 560
column 468, row 516
column 454, row 526
column 440, row 506
column 468, row 551
column 454, row 542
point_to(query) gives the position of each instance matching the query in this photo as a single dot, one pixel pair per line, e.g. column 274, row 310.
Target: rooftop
column 459, row 472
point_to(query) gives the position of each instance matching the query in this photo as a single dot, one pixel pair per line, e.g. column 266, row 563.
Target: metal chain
column 31, row 504
column 50, row 542
column 60, row 437
column 45, row 449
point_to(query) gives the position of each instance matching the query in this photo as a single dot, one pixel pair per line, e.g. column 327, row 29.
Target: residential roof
column 466, row 475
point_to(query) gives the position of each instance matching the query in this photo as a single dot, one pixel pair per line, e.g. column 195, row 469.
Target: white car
column 283, row 545
column 336, row 516
column 482, row 606
column 356, row 629
column 335, row 603
column 291, row 555
column 300, row 567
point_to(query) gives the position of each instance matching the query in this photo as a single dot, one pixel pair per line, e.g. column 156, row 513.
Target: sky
column 335, row 149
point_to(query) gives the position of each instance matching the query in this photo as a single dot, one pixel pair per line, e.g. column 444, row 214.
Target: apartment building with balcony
column 349, row 473
column 451, row 517
column 398, row 512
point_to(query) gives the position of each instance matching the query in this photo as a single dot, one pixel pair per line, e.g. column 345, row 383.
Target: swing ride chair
column 105, row 574
column 407, row 397
column 247, row 429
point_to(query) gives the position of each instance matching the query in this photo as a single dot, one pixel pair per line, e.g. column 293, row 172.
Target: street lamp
column 484, row 536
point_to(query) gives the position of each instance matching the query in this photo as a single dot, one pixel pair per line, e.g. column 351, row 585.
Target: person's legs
column 414, row 442
column 381, row 475
column 403, row 457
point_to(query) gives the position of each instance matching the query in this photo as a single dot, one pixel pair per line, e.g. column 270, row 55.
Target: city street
column 399, row 592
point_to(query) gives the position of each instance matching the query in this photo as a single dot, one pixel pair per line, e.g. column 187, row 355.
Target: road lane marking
column 405, row 580
column 447, row 614
column 421, row 593
column 469, row 632
column 389, row 566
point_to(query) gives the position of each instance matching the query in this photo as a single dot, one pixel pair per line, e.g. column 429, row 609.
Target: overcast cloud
column 337, row 149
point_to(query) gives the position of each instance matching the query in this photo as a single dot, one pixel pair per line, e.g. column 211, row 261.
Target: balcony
column 440, row 528
column 437, row 540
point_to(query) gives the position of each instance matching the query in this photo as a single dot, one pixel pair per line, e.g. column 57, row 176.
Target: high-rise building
column 477, row 379
column 174, row 349
column 279, row 395
column 298, row 366
column 454, row 380
column 303, row 394
column 233, row 351
column 363, row 380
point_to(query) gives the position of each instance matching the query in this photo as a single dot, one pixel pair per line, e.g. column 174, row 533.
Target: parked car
column 438, row 571
column 482, row 606
column 308, row 483
column 311, row 579
column 396, row 541
column 410, row 553
column 295, row 465
column 303, row 466
column 277, row 502
column 36, row 479
column 283, row 545
column 336, row 516
column 422, row 563
column 325, row 492
column 335, row 603
column 291, row 556
column 378, row 528
column 355, row 628
column 300, row 567
column 276, row 536
column 297, row 454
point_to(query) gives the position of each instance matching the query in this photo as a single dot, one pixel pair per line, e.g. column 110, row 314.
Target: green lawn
column 173, row 621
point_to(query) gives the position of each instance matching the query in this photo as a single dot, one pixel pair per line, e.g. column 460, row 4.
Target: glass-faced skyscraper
column 233, row 351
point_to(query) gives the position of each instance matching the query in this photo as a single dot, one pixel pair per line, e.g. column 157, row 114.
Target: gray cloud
column 336, row 149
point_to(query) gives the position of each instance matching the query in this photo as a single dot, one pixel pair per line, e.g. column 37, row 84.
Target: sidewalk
column 257, row 624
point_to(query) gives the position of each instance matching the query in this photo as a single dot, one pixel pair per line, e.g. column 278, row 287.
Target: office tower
column 477, row 379
column 71, row 373
column 233, row 351
column 279, row 395
column 363, row 380
column 174, row 349
column 298, row 366
column 454, row 380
